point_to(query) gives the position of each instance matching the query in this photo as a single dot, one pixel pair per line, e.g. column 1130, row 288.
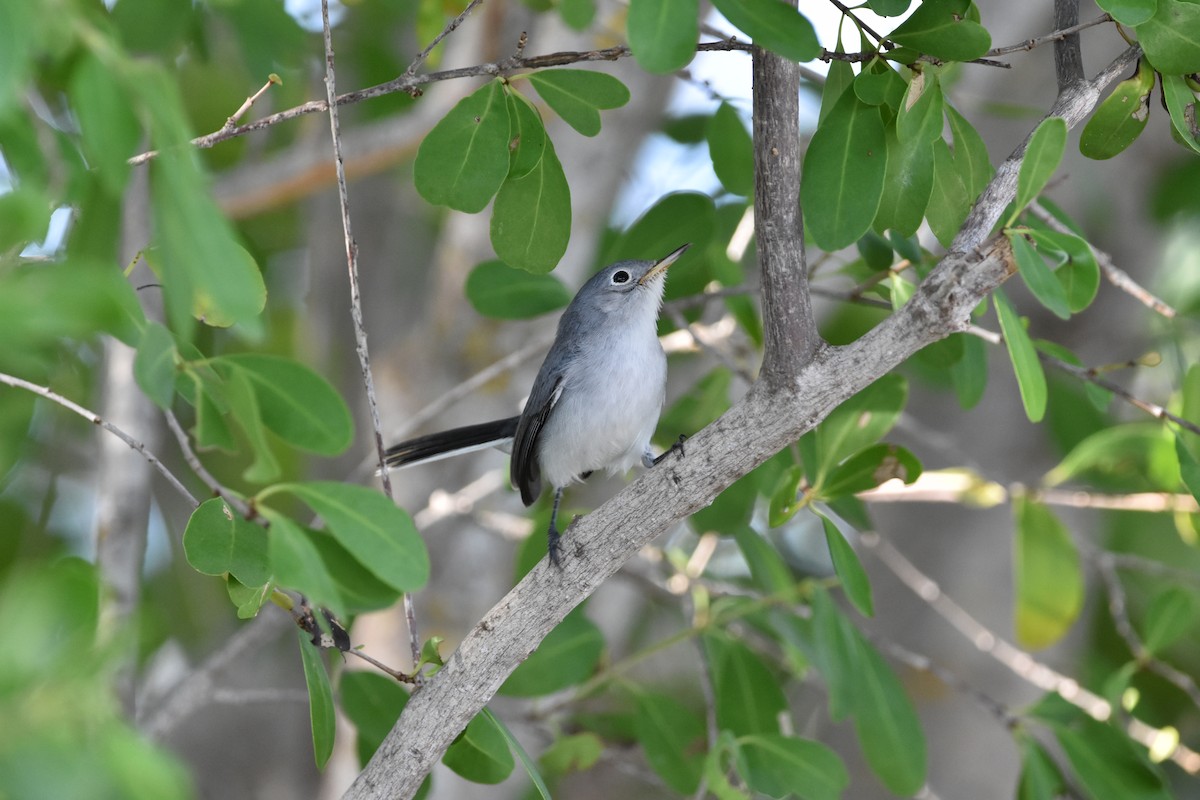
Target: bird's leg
column 552, row 535
column 675, row 448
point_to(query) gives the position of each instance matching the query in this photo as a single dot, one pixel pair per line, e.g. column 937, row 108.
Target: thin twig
column 1148, row 566
column 881, row 40
column 449, row 29
column 360, row 331
column 193, row 461
column 1021, row 663
column 1115, row 275
column 96, row 419
column 1053, row 36
column 250, row 101
column 399, row 675
column 702, row 341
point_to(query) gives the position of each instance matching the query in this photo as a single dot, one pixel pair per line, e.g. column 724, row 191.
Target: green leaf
column 732, row 151
column 920, row 117
column 970, row 154
column 663, row 33
column 1129, row 12
column 359, row 589
column 574, row 753
column 373, row 704
column 1181, row 104
column 1107, row 763
column 248, row 599
column 869, row 468
column 578, row 14
column 480, row 753
column 672, row 737
column 944, row 30
column 567, row 656
column 1042, row 157
column 107, row 122
column 1040, row 778
column 578, row 95
column 880, row 85
column 531, row 220
column 154, row 365
column 1049, row 582
column 1031, row 379
column 380, row 535
column 781, row 766
column 889, row 8
column 514, row 745
column 1122, row 116
column 1107, row 451
column 1171, row 38
column 748, row 696
column 767, row 567
column 527, row 135
column 970, row 372
column 785, row 500
column 242, row 402
column 1080, row 275
column 1171, row 614
column 497, row 290
column 217, row 540
column 462, row 162
column 838, row 80
column 295, row 403
column 907, row 185
column 859, row 422
column 849, row 569
column 320, row 700
column 841, row 184
column 1038, row 277
column 949, row 202
column 1189, row 469
column 773, row 25
column 297, row 563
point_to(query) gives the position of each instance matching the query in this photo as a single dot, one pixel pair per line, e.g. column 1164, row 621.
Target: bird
column 596, row 399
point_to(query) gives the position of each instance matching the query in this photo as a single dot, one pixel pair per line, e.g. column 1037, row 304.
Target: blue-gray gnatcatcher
column 595, row 401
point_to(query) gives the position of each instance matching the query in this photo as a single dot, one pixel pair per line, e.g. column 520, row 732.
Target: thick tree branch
column 1068, row 59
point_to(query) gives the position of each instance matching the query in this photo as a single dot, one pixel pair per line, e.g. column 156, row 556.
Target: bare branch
column 193, row 461
column 1053, row 36
column 1068, row 59
column 360, row 331
column 95, row 419
column 449, row 29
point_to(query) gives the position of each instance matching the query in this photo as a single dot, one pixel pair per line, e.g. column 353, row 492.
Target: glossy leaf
column 970, row 372
column 1106, row 450
column 663, row 33
column 1042, row 157
column 838, row 81
column 944, row 30
column 154, row 365
column 920, row 117
column 217, row 540
column 672, row 737
column 849, row 569
column 568, row 655
column 499, row 291
column 296, row 562
column 294, row 402
column 372, row 703
column 531, row 220
column 527, row 135
column 578, row 95
column 1080, row 274
column 1121, row 118
column 320, row 700
column 889, row 8
column 748, row 696
column 359, row 588
column 1173, row 613
column 242, row 403
column 1049, row 581
column 785, row 499
column 880, row 85
column 1038, row 277
column 732, row 151
column 1182, row 105
column 970, row 154
column 1129, row 12
column 860, row 421
column 380, row 535
column 780, row 766
column 907, row 185
column 206, row 307
column 773, row 25
column 462, row 162
column 767, row 567
column 480, row 753
column 949, row 202
column 1031, row 379
column 1171, row 38
column 869, row 468
column 842, row 180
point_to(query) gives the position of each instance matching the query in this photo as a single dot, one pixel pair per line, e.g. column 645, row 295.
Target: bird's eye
column 620, row 276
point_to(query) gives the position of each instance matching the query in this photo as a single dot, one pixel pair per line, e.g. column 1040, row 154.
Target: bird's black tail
column 452, row 442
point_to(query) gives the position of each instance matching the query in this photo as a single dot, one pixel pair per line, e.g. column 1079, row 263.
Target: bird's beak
column 662, row 265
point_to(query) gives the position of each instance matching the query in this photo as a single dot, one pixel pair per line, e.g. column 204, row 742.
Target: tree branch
column 1068, row 60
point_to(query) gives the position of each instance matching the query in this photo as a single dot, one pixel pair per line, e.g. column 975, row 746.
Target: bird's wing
column 524, row 470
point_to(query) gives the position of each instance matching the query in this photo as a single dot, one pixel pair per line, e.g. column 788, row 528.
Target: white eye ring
column 620, row 276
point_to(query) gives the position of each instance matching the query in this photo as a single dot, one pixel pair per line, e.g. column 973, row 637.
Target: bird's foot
column 553, row 545
column 675, row 448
